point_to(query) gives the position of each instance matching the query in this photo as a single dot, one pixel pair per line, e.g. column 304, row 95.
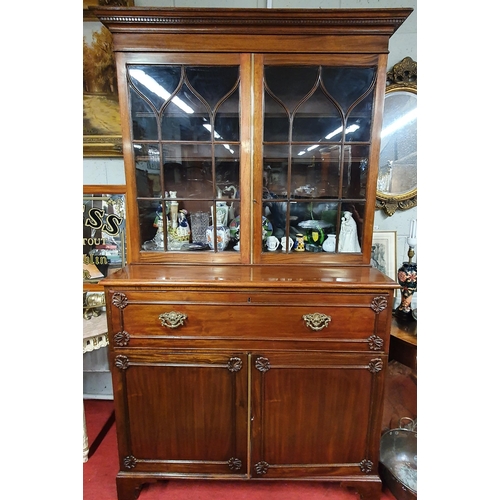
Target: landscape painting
column 101, row 111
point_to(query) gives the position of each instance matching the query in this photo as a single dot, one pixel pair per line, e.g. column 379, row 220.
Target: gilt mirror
column 397, row 173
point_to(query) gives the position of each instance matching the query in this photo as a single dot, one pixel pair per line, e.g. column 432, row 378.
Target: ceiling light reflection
column 151, row 84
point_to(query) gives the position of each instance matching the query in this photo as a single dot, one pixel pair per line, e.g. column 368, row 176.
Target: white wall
column 403, row 43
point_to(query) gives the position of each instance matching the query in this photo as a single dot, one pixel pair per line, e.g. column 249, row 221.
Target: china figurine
column 183, row 230
column 180, row 234
column 348, row 238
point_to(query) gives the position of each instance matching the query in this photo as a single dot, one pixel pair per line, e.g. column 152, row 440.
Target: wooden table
column 403, row 347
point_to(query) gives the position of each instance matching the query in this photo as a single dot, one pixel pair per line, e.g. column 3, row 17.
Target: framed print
column 384, row 253
column 89, row 16
column 102, row 135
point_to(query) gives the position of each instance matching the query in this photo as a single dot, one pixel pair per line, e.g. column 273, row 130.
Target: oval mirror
column 397, row 173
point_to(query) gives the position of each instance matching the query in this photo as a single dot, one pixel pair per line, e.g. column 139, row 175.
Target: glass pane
column 213, row 83
column 280, row 101
column 290, row 84
column 330, row 159
column 185, row 117
column 276, row 120
column 143, row 118
column 313, row 221
column 147, row 170
column 103, row 235
column 355, row 171
column 227, row 119
column 187, row 170
column 316, row 119
column 198, row 109
column 359, row 121
column 276, row 213
column 347, row 85
column 155, row 83
column 227, row 170
column 315, row 172
column 275, row 175
column 151, row 224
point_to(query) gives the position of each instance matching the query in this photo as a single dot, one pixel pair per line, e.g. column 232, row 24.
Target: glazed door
column 315, row 414
column 189, row 135
column 181, row 413
column 317, row 153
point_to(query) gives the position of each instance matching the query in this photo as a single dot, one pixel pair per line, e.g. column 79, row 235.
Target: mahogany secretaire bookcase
column 241, row 345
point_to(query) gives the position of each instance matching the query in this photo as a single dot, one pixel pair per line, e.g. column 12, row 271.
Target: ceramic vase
column 407, row 278
column 329, row 243
column 222, row 237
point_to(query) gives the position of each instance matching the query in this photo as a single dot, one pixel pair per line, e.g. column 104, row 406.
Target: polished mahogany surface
column 243, row 362
column 252, row 276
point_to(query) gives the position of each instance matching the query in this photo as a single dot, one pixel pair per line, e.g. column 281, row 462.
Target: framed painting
column 102, row 136
column 384, row 252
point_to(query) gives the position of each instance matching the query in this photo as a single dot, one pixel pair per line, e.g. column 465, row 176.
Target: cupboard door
column 180, row 413
column 315, row 414
column 317, row 118
column 188, row 138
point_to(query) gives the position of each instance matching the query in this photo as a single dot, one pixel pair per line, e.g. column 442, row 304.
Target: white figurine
column 348, row 238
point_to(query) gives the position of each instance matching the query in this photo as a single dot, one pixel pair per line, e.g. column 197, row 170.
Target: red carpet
column 100, row 471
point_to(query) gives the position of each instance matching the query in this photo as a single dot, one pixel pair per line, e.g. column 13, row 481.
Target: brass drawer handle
column 172, row 319
column 316, row 321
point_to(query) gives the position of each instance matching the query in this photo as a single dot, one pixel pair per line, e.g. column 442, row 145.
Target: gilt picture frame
column 89, row 16
column 384, row 253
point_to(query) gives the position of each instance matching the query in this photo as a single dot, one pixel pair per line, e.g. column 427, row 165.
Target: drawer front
column 354, row 321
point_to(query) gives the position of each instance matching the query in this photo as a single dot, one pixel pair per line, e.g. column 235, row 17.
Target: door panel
column 316, row 408
column 183, row 412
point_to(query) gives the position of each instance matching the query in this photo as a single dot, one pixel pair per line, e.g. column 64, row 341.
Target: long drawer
column 357, row 318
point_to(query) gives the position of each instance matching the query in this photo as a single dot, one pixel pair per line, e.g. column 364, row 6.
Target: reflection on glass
column 147, row 170
column 185, row 123
column 398, row 149
column 156, row 84
column 316, row 118
column 152, row 224
column 103, row 235
column 354, row 172
column 227, row 120
column 143, row 117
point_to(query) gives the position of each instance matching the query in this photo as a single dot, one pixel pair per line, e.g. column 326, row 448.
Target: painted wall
column 403, row 43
